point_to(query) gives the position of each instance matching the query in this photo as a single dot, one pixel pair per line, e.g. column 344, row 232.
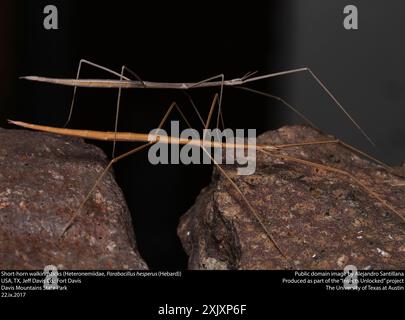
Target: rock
column 43, row 179
column 319, row 219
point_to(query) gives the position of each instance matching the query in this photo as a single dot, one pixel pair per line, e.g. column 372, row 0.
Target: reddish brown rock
column 43, row 179
column 320, row 219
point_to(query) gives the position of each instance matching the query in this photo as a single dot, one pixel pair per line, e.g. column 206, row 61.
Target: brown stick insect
column 216, row 81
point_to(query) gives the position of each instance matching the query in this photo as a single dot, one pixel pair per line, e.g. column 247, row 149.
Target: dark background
column 190, row 41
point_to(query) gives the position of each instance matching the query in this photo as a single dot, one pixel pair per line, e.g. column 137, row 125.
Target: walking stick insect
column 271, row 150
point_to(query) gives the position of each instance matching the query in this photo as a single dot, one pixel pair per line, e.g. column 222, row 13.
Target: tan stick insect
column 271, row 150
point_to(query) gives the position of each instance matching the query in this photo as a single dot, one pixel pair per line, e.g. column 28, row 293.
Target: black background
column 263, row 293
column 190, row 41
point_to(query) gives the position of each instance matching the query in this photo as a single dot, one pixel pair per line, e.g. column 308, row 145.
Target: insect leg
column 117, row 110
column 324, row 88
column 280, row 100
column 83, row 61
column 115, row 160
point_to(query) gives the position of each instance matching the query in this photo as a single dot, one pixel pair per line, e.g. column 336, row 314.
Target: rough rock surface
column 43, row 179
column 319, row 219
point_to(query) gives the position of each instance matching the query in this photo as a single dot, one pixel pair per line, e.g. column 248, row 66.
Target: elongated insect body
column 136, row 137
column 133, row 84
column 126, row 83
column 148, row 140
